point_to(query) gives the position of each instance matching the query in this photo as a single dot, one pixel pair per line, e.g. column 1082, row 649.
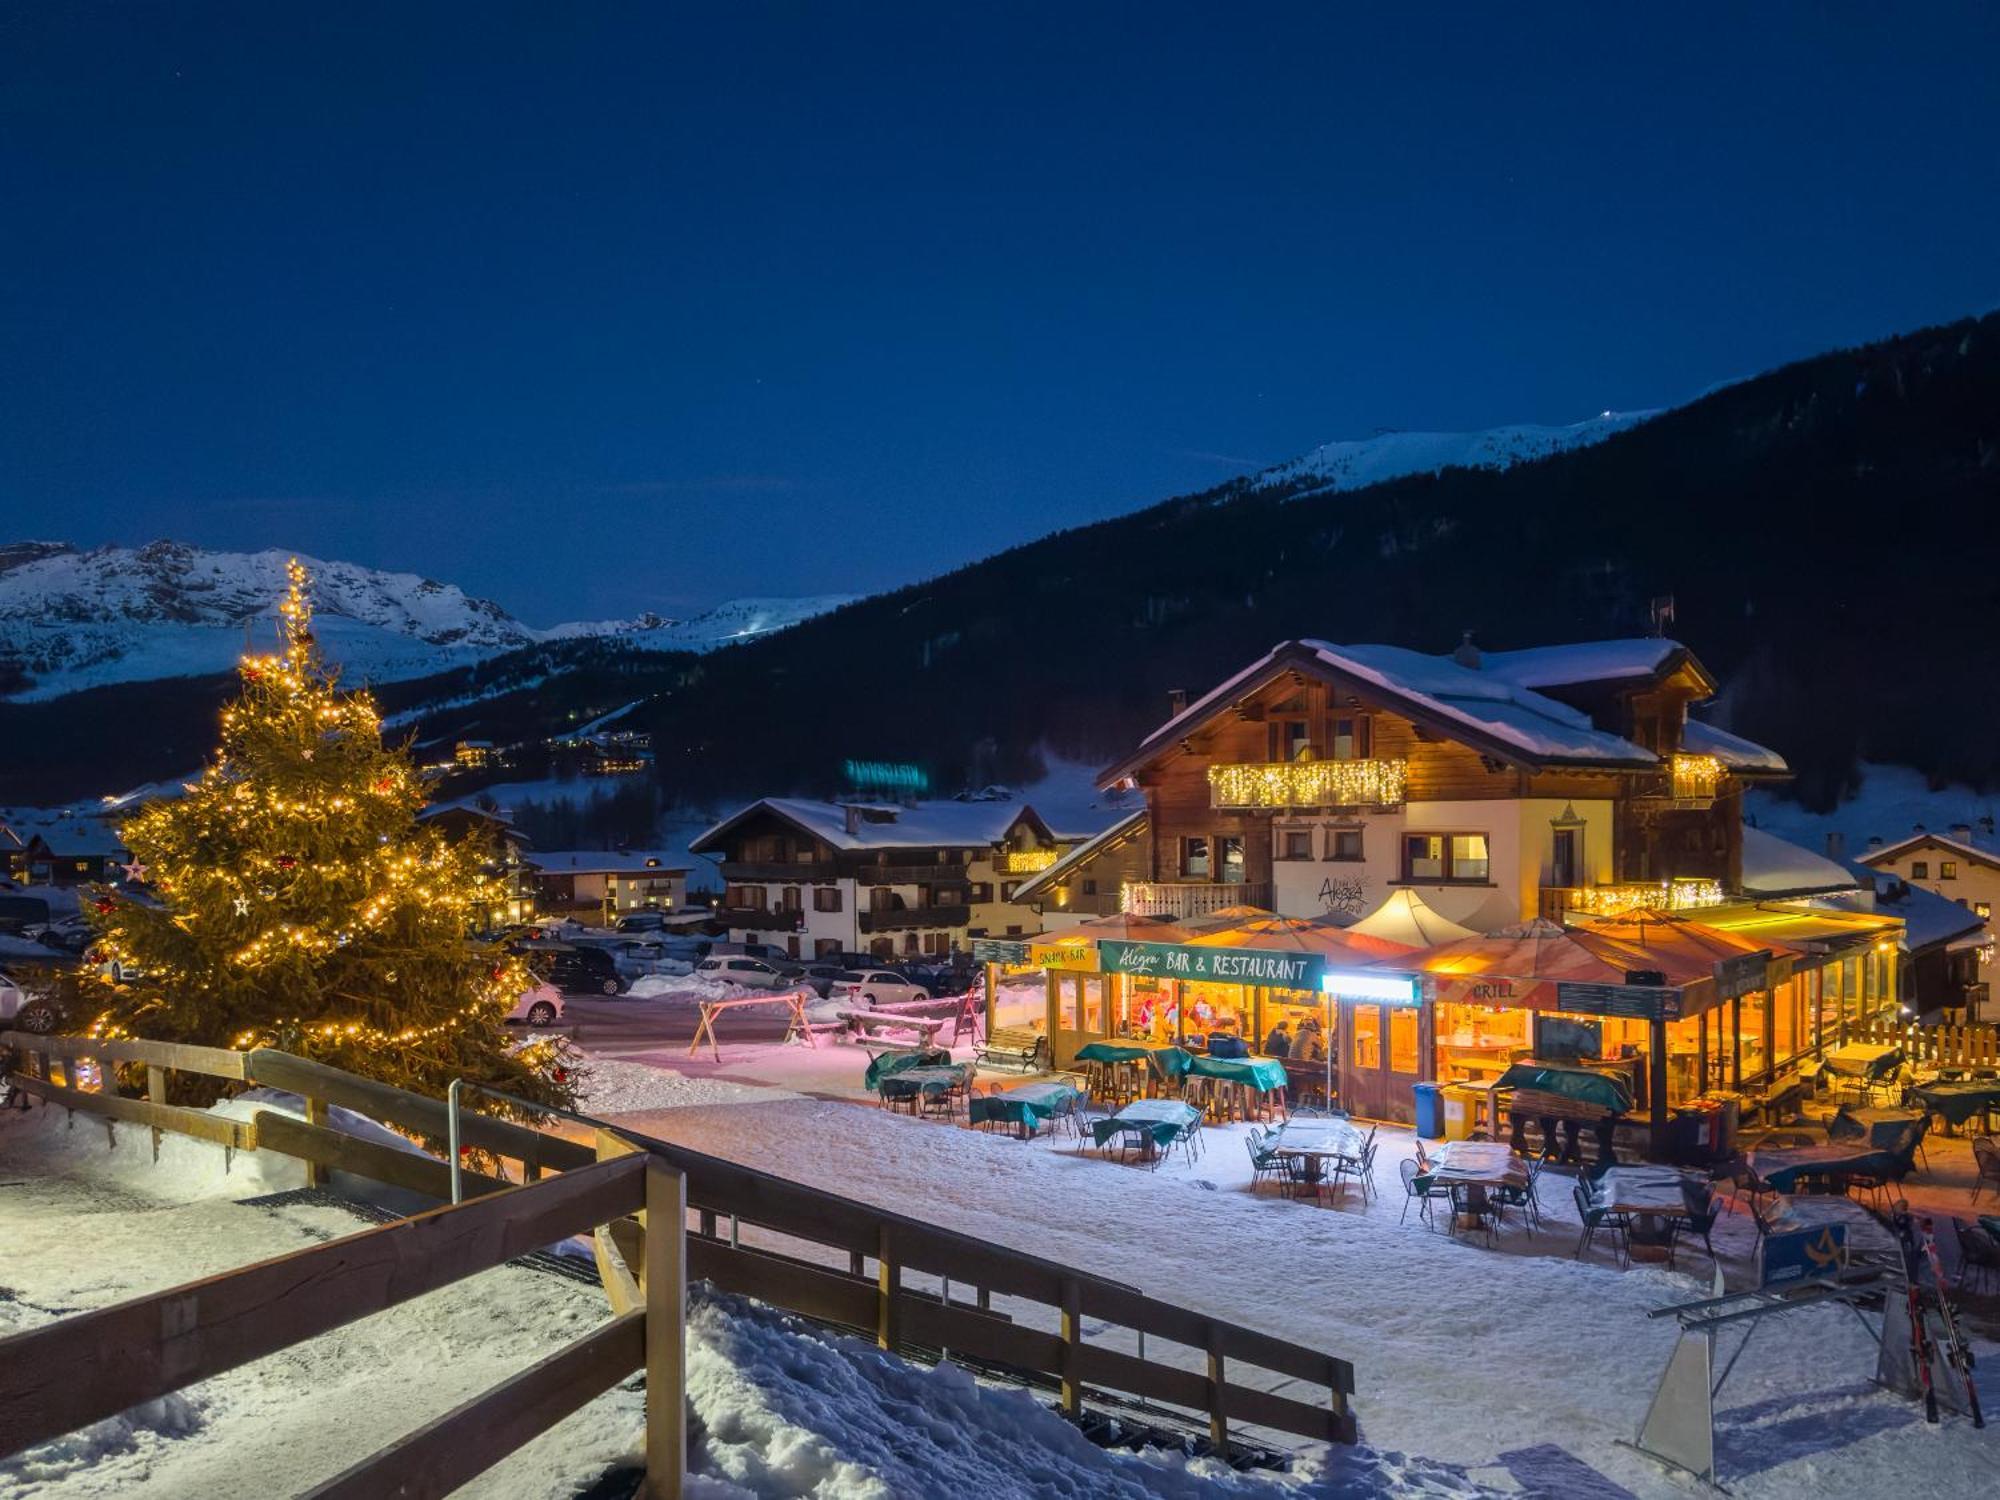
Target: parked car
column 740, row 968
column 19, row 913
column 637, row 957
column 820, row 978
column 539, row 1005
column 877, row 987
column 71, row 935
column 22, row 1010
column 642, row 921
column 577, row 970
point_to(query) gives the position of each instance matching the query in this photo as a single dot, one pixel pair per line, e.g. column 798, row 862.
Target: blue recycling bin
column 1430, row 1109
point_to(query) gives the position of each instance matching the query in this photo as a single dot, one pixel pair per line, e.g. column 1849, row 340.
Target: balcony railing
column 901, row 919
column 737, row 871
column 1691, row 783
column 1309, row 783
column 918, row 874
column 1684, row 894
column 1027, row 861
column 757, row 919
column 1153, row 898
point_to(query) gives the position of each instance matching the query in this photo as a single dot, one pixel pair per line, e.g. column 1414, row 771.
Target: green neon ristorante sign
column 1292, row 971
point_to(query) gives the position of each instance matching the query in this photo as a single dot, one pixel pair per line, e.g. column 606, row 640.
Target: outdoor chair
column 1525, row 1199
column 1264, row 1164
column 1368, row 1167
column 1473, row 1210
column 1595, row 1218
column 1978, row 1255
column 1704, row 1208
column 1189, row 1139
column 1986, row 1156
column 1424, row 1191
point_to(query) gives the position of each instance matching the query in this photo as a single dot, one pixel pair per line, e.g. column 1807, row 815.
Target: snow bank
column 685, row 989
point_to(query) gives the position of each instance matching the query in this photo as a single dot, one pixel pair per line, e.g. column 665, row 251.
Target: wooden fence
column 83, row 1368
column 1939, row 1046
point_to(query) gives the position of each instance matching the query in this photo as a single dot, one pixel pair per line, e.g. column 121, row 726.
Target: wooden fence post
column 156, row 1090
column 664, row 1282
column 889, row 1288
column 1218, row 1423
column 316, row 1114
column 1072, row 1340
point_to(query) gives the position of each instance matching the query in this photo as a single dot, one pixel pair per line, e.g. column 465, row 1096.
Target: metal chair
column 1425, row 1192
column 1473, row 1210
column 1263, row 1164
column 1978, row 1255
column 1986, row 1156
column 1595, row 1218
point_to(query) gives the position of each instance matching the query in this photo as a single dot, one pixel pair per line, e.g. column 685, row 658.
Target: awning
column 1811, row 931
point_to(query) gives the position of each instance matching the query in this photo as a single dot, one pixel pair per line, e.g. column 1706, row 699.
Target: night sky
column 594, row 309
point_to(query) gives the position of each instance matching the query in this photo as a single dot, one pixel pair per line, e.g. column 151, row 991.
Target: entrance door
column 1080, row 1012
column 1382, row 1051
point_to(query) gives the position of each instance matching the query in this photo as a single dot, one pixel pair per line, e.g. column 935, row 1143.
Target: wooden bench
column 867, row 1023
column 1015, row 1047
column 884, row 1044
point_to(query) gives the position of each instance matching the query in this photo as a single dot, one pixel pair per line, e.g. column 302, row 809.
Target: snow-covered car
column 819, row 978
column 638, row 957
column 21, row 1010
column 878, row 987
column 539, row 1005
column 736, row 968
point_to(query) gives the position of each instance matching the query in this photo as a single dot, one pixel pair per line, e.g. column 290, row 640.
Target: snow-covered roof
column 1775, row 867
column 608, row 862
column 1932, row 840
column 890, row 825
column 1581, row 662
column 1127, row 825
column 1483, row 703
column 1928, row 918
column 1732, row 750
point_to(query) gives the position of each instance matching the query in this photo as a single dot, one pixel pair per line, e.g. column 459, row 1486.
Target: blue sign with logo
column 1799, row 1255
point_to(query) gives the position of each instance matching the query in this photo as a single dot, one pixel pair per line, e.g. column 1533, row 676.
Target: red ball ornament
column 286, row 861
column 105, row 905
column 562, row 1075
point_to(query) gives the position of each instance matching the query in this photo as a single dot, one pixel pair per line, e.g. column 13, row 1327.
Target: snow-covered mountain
column 72, row 619
column 1355, row 463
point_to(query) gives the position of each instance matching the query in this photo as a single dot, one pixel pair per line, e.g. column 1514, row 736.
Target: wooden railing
column 1197, row 898
column 83, row 1368
column 901, row 918
column 1939, row 1046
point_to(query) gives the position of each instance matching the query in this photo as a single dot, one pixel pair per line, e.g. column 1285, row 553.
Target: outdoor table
column 1783, row 1168
column 1026, row 1105
column 1241, row 1077
column 932, row 1079
column 1484, row 1163
column 1867, row 1237
column 1154, row 1121
column 1315, row 1142
column 1864, row 1060
column 888, row 1063
column 1167, row 1062
column 1958, row 1102
column 1652, row 1198
column 1882, row 1129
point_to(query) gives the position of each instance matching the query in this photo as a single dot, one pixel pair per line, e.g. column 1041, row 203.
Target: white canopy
column 1407, row 918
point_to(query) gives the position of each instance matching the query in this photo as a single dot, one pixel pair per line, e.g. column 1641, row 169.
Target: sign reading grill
column 1291, row 971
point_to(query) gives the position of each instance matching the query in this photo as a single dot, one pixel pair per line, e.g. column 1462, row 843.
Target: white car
column 738, row 968
column 877, row 987
column 539, row 1005
column 21, row 1011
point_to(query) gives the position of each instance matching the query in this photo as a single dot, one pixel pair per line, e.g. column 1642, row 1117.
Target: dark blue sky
column 595, row 309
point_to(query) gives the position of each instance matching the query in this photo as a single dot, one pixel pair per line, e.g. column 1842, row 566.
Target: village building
column 508, row 866
column 1443, row 865
column 1962, row 866
column 882, row 877
column 83, row 852
column 597, row 885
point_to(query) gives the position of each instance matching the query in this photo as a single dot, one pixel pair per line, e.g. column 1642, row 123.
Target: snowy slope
column 1353, row 464
column 73, row 619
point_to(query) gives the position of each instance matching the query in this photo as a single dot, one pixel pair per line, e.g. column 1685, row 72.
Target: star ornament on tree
column 136, row 870
column 242, row 905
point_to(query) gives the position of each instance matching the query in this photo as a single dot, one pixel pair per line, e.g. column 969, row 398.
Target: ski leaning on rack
column 1957, row 1351
column 1920, row 1335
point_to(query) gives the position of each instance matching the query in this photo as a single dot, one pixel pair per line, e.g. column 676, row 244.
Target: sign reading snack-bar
column 1294, row 971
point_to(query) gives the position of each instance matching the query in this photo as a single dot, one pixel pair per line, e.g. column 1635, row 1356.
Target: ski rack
column 1679, row 1430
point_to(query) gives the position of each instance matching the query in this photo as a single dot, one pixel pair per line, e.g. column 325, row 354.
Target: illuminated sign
column 1396, row 989
column 885, row 776
column 1291, row 971
column 1065, row 953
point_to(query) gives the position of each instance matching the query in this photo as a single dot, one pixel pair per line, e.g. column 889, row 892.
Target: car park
column 740, row 968
column 577, row 970
column 878, row 987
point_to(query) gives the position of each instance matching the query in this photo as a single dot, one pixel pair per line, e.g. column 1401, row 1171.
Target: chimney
column 1176, row 701
column 1467, row 654
column 1874, row 841
column 853, row 819
column 1962, row 832
column 1836, row 845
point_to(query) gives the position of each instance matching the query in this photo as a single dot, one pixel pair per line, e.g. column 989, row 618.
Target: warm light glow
column 1309, row 783
column 1657, row 895
column 1696, row 776
column 1397, row 989
column 1027, row 861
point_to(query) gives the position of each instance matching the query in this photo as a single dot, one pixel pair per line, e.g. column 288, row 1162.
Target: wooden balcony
column 1690, row 783
column 1560, row 903
column 917, row 874
column 1200, row 898
column 902, row 919
column 757, row 919
column 738, row 872
column 1308, row 783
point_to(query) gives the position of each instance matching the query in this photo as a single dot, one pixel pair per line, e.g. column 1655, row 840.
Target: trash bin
column 1430, row 1111
column 1461, row 1111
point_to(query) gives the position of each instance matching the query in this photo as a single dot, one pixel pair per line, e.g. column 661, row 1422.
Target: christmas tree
column 304, row 906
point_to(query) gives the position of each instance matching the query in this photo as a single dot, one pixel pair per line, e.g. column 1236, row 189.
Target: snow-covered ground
column 1890, row 803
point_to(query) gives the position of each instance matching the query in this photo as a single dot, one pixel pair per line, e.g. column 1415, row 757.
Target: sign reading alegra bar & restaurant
column 1291, row 971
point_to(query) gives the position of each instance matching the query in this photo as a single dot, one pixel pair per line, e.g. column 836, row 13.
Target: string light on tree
column 304, row 906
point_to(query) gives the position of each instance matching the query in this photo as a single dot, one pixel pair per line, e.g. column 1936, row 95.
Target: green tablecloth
column 1783, row 1168
column 1168, row 1062
column 1882, row 1129
column 1958, row 1102
column 1155, row 1119
column 1025, row 1104
column 1261, row 1073
column 887, row 1064
column 1584, row 1085
column 930, row 1080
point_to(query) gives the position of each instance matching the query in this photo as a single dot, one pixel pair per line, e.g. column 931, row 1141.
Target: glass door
column 1382, row 1051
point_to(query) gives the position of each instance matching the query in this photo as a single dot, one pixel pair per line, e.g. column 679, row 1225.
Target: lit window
column 1468, row 856
column 1947, row 869
column 1982, row 909
column 1445, row 857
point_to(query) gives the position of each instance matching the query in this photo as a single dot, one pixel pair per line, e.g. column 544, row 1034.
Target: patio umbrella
column 1532, row 953
column 1272, row 934
column 1682, row 949
column 1407, row 918
column 1222, row 917
column 1125, row 927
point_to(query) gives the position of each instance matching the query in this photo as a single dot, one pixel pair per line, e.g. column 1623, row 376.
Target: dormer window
column 1350, row 737
column 1291, row 739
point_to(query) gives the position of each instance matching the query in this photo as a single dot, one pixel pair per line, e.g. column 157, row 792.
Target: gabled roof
column 1928, row 918
column 1125, row 828
column 890, row 825
column 1745, row 757
column 1588, row 662
column 1934, row 841
column 1774, row 867
column 1468, row 704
